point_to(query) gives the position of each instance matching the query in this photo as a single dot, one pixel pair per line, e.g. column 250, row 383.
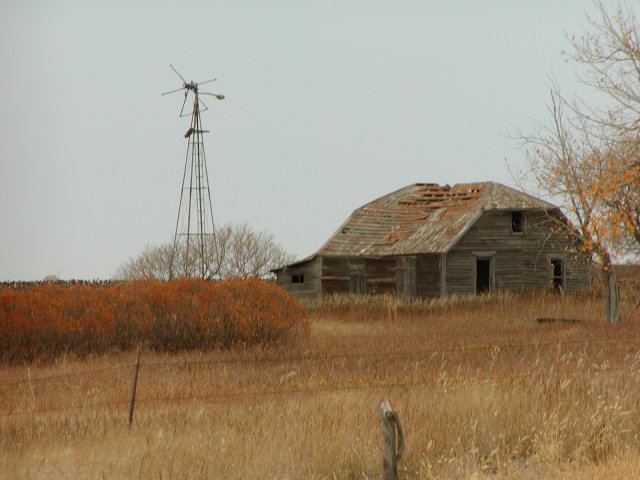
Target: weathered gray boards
column 427, row 240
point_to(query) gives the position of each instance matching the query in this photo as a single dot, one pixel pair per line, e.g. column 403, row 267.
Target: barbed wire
column 66, row 375
column 407, row 353
column 316, row 389
column 59, row 409
column 425, row 352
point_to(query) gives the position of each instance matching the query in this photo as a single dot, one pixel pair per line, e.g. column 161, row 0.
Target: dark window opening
column 297, row 278
column 557, row 274
column 483, row 275
column 517, row 222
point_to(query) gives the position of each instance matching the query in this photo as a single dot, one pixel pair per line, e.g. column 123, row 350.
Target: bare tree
column 587, row 157
column 252, row 254
column 611, row 54
column 234, row 251
column 153, row 262
column 619, row 189
column 610, row 51
column 564, row 164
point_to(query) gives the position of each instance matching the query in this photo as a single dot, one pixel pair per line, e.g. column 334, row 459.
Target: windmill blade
column 178, row 73
column 173, row 91
column 183, row 104
column 207, row 81
column 217, row 95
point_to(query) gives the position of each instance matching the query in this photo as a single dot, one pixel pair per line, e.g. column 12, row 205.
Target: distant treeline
column 25, row 285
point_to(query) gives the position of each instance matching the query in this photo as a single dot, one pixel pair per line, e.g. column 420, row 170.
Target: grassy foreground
column 483, row 390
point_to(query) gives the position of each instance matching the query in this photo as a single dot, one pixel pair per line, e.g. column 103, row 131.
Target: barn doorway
column 557, row 275
column 483, row 275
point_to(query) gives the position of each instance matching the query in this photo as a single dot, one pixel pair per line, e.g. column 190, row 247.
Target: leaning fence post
column 134, row 385
column 392, row 431
column 33, row 394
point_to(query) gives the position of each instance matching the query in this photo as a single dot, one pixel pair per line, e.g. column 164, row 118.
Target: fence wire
column 628, row 342
column 315, row 389
column 52, row 378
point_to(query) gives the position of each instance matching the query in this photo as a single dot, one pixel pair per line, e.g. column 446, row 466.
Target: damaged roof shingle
column 423, row 218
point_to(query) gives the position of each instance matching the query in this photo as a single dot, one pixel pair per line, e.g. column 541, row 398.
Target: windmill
column 195, row 230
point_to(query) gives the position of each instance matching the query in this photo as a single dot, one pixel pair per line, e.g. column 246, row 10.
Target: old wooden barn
column 427, row 240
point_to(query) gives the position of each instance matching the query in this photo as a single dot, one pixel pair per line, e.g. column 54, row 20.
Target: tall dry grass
column 483, row 390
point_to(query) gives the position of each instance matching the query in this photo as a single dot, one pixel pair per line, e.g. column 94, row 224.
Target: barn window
column 297, row 278
column 517, row 222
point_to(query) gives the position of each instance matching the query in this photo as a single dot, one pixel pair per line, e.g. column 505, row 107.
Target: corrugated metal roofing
column 423, row 218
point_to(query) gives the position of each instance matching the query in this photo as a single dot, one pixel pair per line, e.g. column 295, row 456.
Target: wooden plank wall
column 380, row 274
column 519, row 261
column 310, row 289
column 335, row 275
column 428, row 275
column 460, row 272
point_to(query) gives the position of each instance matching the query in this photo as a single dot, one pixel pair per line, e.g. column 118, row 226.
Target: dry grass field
column 483, row 390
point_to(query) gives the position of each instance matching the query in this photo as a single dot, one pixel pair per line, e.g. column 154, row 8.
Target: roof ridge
column 387, row 195
column 526, row 194
column 486, row 194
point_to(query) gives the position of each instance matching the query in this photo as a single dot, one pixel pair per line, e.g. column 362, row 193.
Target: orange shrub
column 49, row 319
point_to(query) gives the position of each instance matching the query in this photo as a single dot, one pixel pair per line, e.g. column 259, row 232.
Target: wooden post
column 33, row 394
column 613, row 313
column 134, row 386
column 392, row 431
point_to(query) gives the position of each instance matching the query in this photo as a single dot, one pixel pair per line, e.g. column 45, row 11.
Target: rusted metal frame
column 196, row 156
column 188, row 233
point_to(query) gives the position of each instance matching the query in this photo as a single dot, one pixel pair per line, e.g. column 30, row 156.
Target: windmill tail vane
column 194, row 251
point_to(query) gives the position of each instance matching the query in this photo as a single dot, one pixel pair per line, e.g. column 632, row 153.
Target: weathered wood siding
column 428, row 276
column 519, row 261
column 460, row 272
column 308, row 290
column 335, row 275
column 379, row 274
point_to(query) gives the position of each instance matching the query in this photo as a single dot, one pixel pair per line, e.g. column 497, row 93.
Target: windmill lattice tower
column 194, row 235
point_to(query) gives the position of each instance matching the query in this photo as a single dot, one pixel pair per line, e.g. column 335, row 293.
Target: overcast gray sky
column 329, row 104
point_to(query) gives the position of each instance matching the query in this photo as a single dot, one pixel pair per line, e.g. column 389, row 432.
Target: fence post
column 134, row 386
column 33, row 394
column 392, row 430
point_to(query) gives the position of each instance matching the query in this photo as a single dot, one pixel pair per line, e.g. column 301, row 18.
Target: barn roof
column 422, row 218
